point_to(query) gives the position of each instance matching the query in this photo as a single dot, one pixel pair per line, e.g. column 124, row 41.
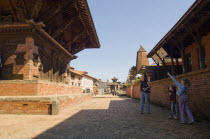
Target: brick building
column 38, row 39
column 188, row 42
column 75, row 79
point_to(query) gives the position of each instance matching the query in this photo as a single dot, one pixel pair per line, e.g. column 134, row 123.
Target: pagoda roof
column 113, row 83
column 114, row 78
column 69, row 22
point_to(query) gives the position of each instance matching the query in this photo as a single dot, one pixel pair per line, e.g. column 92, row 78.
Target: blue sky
column 122, row 26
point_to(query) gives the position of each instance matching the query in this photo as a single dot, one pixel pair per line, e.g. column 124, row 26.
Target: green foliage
column 128, row 85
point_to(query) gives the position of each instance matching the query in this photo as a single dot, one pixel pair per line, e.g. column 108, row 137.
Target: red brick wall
column 199, row 91
column 136, row 91
column 56, row 89
column 133, row 91
column 128, row 91
column 17, row 89
column 25, row 107
column 33, row 88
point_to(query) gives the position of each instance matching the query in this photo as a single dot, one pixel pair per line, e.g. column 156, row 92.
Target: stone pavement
column 103, row 117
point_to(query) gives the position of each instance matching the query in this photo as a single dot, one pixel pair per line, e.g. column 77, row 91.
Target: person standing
column 183, row 101
column 172, row 100
column 145, row 94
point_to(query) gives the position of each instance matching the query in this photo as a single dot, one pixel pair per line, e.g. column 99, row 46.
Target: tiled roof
column 89, row 76
column 81, row 73
column 76, row 72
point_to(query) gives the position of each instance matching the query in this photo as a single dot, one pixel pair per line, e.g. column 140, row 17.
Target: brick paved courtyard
column 102, row 117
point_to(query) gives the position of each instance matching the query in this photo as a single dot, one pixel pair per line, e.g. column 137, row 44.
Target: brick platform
column 39, row 104
column 35, row 88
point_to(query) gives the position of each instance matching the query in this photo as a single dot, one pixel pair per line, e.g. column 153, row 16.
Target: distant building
column 87, row 83
column 114, row 85
column 103, row 87
column 76, row 77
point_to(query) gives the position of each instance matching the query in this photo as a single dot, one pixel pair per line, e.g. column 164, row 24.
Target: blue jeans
column 173, row 109
column 145, row 96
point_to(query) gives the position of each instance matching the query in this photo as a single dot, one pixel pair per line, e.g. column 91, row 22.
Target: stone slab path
column 103, row 117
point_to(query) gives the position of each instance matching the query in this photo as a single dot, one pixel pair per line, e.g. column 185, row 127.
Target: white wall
column 87, row 83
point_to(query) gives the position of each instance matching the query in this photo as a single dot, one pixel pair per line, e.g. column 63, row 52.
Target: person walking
column 183, row 101
column 145, row 94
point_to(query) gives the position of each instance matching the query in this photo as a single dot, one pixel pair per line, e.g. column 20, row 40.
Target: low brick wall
column 56, row 89
column 40, row 105
column 25, row 107
column 17, row 88
column 35, row 88
column 199, row 92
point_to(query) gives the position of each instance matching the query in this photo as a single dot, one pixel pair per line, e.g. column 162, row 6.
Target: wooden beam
column 160, row 59
column 25, row 9
column 177, row 61
column 79, row 35
column 77, row 48
column 13, row 10
column 82, row 19
column 154, row 61
column 172, row 66
column 65, row 26
column 181, row 49
column 20, row 11
column 37, row 8
column 51, row 14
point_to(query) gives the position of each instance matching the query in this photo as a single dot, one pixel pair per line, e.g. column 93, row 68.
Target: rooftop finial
column 142, row 49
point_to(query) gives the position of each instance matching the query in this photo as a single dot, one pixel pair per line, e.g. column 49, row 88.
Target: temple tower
column 141, row 59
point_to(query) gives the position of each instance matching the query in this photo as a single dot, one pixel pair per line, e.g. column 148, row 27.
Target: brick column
column 26, row 60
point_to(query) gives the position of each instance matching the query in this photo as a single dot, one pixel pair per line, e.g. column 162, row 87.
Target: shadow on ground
column 123, row 120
